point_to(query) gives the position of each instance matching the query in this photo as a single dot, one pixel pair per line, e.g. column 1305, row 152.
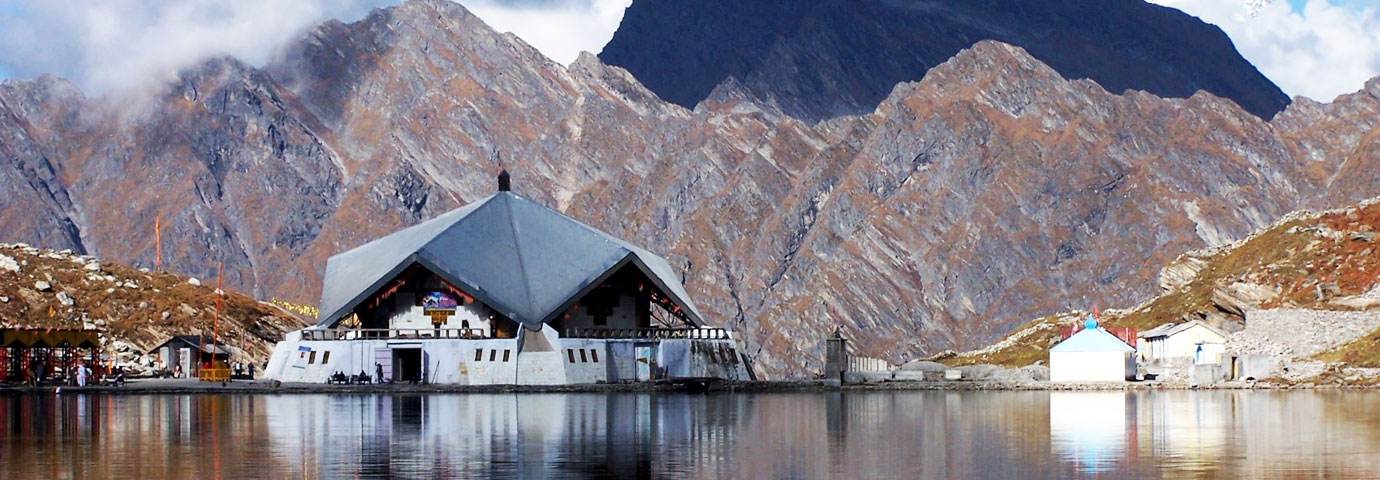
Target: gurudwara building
column 505, row 291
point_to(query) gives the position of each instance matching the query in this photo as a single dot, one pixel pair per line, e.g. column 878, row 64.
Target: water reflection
column 866, row 435
column 1089, row 429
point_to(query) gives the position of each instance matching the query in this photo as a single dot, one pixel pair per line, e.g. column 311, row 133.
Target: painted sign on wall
column 439, row 302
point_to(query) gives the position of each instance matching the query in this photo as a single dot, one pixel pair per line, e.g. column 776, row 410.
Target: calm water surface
column 857, row 435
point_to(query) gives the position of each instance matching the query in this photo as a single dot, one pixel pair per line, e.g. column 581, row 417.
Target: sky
column 1315, row 48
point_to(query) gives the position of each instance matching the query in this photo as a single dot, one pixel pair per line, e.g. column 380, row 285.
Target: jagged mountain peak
column 821, row 59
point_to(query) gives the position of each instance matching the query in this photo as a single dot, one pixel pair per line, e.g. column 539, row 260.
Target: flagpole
column 158, row 242
column 215, row 323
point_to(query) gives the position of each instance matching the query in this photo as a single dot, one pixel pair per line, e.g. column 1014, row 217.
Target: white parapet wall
column 868, row 364
column 538, row 358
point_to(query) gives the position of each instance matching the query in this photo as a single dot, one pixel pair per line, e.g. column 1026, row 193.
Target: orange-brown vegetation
column 130, row 305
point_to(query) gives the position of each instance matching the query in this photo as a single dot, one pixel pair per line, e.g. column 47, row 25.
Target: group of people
column 78, row 376
column 340, row 377
column 241, row 370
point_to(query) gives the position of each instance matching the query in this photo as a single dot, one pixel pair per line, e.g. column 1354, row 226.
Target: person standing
column 81, row 375
column 378, row 373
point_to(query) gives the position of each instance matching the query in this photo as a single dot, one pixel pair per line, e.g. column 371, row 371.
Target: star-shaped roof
column 526, row 261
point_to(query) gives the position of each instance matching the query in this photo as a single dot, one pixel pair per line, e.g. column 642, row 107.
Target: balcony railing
column 707, row 333
column 385, row 333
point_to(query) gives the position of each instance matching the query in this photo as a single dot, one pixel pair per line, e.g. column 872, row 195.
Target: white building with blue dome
column 1092, row 355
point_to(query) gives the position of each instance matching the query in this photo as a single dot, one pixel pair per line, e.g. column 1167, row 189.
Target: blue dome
column 1090, row 324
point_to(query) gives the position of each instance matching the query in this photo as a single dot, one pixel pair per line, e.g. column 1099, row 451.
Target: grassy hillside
column 43, row 288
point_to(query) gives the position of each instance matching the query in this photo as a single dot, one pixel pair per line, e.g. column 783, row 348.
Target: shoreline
column 261, row 387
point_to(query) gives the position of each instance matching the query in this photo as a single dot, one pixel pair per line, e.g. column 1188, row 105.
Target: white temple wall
column 540, row 360
column 453, row 361
column 685, row 358
column 622, row 361
column 406, row 314
column 586, row 360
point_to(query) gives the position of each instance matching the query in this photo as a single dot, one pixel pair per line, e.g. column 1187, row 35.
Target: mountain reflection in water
column 1330, row 434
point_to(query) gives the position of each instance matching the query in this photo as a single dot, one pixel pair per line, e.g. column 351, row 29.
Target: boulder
column 1324, row 291
column 1239, row 297
column 64, row 299
column 194, row 281
column 93, row 266
column 923, row 366
column 1038, row 373
column 1357, row 302
column 1180, row 273
column 982, row 372
column 43, row 286
column 8, row 263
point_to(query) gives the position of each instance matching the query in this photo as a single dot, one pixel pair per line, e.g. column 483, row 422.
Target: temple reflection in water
column 804, row 435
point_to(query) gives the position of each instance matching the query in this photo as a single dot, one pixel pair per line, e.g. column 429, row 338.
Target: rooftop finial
column 504, row 183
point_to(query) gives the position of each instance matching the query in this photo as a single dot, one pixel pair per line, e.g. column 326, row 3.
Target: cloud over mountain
column 1321, row 49
column 118, row 44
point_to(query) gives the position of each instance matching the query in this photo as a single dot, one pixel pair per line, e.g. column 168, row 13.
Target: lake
column 910, row 434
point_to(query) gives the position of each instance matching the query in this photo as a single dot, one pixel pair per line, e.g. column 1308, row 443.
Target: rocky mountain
column 135, row 310
column 1310, row 282
column 992, row 191
column 818, row 59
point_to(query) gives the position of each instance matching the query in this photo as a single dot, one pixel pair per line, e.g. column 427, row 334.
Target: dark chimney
column 504, row 184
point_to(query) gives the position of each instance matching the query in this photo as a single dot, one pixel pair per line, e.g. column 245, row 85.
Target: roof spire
column 504, row 183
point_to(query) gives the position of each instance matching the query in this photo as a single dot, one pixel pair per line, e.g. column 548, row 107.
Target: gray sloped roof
column 1170, row 329
column 520, row 258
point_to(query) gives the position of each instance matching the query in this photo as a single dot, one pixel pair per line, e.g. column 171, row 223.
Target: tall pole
column 215, row 323
column 158, row 241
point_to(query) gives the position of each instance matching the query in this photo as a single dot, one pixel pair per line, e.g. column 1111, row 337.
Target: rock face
column 990, row 192
column 1300, row 333
column 817, row 59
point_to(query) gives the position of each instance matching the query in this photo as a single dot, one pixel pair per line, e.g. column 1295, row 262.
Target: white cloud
column 112, row 44
column 1324, row 50
column 116, row 44
column 561, row 30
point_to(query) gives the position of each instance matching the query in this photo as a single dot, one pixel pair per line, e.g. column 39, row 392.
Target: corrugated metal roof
column 1092, row 340
column 1169, row 329
column 203, row 343
column 520, row 258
